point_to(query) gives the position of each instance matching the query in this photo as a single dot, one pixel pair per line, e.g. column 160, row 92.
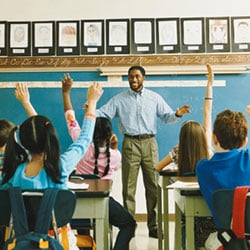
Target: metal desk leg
column 190, row 232
column 163, row 201
column 159, row 202
column 166, row 212
column 102, row 227
column 178, row 236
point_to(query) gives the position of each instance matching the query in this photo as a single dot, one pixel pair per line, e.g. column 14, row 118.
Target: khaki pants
column 142, row 154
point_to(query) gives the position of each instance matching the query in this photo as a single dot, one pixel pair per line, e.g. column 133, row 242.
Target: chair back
column 222, row 201
column 63, row 209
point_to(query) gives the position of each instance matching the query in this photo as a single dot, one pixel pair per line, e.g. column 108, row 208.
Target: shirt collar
column 137, row 93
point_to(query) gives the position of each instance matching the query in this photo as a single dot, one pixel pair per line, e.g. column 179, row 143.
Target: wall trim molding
column 112, row 84
column 87, row 63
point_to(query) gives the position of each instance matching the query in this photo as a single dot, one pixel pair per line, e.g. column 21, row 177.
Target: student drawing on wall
column 92, row 35
column 192, row 32
column 143, row 33
column 167, row 33
column 118, row 34
column 2, row 36
column 218, row 31
column 68, row 35
column 43, row 35
column 18, row 36
column 242, row 31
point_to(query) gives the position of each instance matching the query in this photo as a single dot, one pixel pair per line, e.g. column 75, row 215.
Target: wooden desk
column 162, row 192
column 191, row 204
column 93, row 203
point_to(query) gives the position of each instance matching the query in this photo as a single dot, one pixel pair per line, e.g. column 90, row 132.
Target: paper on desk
column 72, row 185
column 184, row 185
column 170, row 167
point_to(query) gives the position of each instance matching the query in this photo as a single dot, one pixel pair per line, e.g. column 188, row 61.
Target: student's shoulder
column 203, row 165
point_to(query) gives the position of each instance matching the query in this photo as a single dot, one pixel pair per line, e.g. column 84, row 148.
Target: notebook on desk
column 73, row 185
column 184, row 185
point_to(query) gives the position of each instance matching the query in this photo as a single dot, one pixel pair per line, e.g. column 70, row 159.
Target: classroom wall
column 47, row 100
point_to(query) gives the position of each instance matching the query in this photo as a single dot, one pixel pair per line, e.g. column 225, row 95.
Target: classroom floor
column 142, row 241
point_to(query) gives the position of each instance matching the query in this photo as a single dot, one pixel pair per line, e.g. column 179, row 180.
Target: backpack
column 234, row 238
column 23, row 239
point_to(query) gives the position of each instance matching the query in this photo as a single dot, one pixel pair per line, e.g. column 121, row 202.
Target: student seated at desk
column 230, row 165
column 102, row 158
column 194, row 145
column 194, row 138
column 43, row 166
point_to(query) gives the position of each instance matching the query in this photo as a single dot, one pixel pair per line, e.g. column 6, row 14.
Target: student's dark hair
column 5, row 129
column 102, row 133
column 137, row 67
column 230, row 128
column 37, row 135
column 193, row 147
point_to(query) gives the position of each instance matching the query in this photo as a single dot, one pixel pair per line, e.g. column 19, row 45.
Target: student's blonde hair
column 192, row 147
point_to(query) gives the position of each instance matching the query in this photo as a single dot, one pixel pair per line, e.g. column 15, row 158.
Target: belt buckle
column 143, row 136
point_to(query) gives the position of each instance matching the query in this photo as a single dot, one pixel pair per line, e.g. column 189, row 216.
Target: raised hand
column 210, row 74
column 67, row 83
column 183, row 110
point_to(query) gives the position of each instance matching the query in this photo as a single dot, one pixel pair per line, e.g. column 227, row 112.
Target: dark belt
column 140, row 137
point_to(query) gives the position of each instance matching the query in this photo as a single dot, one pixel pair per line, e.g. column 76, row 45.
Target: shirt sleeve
column 165, row 112
column 78, row 148
column 108, row 110
column 72, row 124
column 117, row 158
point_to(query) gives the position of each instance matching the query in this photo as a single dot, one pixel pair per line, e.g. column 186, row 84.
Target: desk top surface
column 168, row 172
column 184, row 178
column 96, row 189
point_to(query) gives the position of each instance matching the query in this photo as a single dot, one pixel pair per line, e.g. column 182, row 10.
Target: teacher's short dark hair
column 137, row 67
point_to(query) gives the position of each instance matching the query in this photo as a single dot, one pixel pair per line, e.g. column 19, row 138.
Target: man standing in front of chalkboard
column 137, row 110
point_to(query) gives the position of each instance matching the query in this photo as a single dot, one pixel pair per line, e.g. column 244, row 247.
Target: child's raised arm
column 67, row 83
column 22, row 94
column 208, row 104
column 95, row 91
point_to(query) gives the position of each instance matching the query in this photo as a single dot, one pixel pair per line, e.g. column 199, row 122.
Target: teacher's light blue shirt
column 138, row 112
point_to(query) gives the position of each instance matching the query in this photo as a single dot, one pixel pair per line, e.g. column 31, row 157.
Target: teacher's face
column 136, row 79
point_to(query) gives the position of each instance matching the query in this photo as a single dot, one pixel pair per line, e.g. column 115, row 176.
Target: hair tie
column 47, row 123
